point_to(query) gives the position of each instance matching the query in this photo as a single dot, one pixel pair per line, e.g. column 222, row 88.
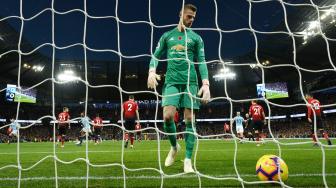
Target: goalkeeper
column 179, row 69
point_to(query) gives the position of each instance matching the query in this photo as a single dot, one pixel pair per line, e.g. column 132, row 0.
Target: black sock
column 329, row 142
column 126, row 144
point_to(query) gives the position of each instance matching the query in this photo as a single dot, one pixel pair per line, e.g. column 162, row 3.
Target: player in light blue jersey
column 13, row 128
column 86, row 128
column 239, row 126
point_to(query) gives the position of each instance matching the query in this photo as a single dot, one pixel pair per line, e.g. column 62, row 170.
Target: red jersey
column 63, row 117
column 97, row 122
column 256, row 112
column 314, row 104
column 176, row 117
column 130, row 107
column 137, row 126
column 226, row 127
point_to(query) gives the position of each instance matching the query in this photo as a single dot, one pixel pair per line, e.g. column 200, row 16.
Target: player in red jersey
column 63, row 117
column 315, row 113
column 138, row 133
column 97, row 128
column 130, row 112
column 257, row 114
column 226, row 128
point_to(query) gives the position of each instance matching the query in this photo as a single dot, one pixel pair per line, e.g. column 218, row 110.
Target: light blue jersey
column 85, row 122
column 14, row 126
column 239, row 121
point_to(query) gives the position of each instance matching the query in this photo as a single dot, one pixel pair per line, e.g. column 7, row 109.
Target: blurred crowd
column 283, row 128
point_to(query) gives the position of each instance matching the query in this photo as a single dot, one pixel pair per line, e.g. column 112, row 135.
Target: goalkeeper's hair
column 131, row 97
column 308, row 95
column 190, row 7
column 65, row 108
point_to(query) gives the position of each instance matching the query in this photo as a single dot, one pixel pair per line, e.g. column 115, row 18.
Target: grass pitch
column 215, row 158
column 275, row 95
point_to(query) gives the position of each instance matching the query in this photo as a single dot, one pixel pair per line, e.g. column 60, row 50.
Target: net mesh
column 159, row 132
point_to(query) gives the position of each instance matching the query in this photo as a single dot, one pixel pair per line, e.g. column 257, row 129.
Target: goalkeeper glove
column 152, row 79
column 204, row 91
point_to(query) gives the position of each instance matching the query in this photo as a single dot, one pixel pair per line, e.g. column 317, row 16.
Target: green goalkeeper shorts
column 180, row 100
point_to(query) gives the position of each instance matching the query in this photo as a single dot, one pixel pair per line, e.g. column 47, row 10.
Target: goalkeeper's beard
column 187, row 24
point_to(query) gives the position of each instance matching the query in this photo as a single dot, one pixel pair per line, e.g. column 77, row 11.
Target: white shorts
column 14, row 133
column 240, row 129
column 86, row 130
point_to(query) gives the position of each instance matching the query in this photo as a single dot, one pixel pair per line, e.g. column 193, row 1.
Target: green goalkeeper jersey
column 173, row 43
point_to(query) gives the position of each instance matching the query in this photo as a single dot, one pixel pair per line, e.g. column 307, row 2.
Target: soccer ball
column 267, row 168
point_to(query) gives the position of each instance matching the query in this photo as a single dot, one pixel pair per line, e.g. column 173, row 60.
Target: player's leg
column 257, row 131
column 129, row 125
column 313, row 135
column 252, row 130
column 323, row 132
column 13, row 134
column 139, row 136
column 62, row 133
column 169, row 125
column 98, row 137
column 169, row 104
column 326, row 136
column 241, row 134
column 251, row 136
column 126, row 136
column 80, row 138
column 59, row 135
column 238, row 130
column 189, row 140
column 256, row 135
column 132, row 139
column 95, row 133
column 189, row 103
column 189, row 137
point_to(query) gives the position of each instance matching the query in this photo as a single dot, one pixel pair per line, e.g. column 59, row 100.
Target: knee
column 168, row 116
column 187, row 118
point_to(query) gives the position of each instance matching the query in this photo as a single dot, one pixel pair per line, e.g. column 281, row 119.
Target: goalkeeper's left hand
column 204, row 91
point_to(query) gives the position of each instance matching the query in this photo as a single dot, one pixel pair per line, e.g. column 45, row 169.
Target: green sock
column 190, row 140
column 169, row 127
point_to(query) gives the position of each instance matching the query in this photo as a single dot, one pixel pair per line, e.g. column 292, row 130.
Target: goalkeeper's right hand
column 152, row 79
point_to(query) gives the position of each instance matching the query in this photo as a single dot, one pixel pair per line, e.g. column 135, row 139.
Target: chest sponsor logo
column 178, row 47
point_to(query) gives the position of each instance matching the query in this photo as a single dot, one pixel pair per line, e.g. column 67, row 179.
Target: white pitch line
column 43, row 178
column 109, row 151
